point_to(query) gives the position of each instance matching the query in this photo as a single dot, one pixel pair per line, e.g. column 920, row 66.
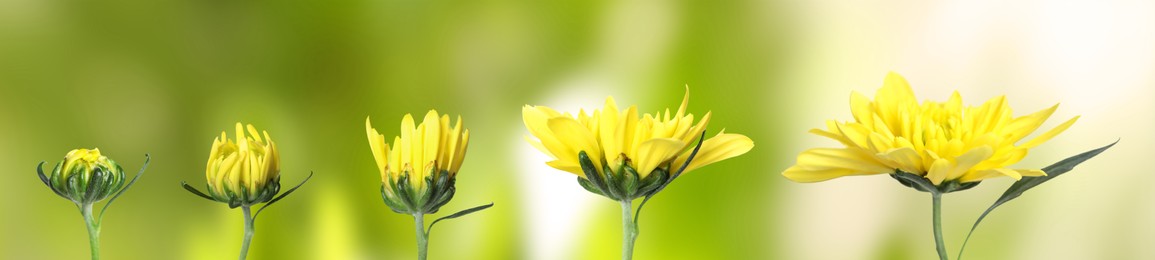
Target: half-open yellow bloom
column 421, row 150
column 247, row 170
column 621, row 137
column 941, row 141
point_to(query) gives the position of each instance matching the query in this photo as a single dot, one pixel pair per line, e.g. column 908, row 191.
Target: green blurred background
column 165, row 76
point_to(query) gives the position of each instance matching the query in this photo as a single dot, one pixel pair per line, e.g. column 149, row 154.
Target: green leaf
column 278, row 198
column 1026, row 183
column 458, row 214
column 147, row 158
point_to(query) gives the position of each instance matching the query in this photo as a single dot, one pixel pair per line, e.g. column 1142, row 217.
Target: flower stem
column 936, row 200
column 248, row 232
column 422, row 237
column 93, row 230
column 629, row 230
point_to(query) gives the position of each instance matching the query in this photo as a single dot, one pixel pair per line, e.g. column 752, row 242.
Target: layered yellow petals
column 616, row 138
column 433, row 145
column 247, row 164
column 942, row 141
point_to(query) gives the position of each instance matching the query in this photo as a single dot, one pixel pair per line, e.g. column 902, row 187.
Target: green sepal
column 925, row 185
column 1026, row 183
column 589, row 186
column 442, row 191
column 425, row 194
column 629, row 182
column 614, row 183
column 47, row 182
column 592, row 174
column 651, row 182
column 401, row 191
column 393, row 205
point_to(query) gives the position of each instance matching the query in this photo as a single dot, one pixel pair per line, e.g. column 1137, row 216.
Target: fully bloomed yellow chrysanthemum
column 941, row 141
column 620, row 140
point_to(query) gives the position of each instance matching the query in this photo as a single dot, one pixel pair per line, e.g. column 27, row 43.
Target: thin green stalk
column 248, row 232
column 629, row 230
column 422, row 237
column 93, row 230
column 936, row 199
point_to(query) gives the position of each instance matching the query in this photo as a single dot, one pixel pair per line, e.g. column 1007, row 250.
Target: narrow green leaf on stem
column 278, row 198
column 194, row 191
column 459, row 214
column 1026, row 183
column 147, row 158
column 638, row 213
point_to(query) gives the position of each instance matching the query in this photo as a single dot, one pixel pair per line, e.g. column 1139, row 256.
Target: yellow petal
column 939, row 170
column 611, row 138
column 840, row 158
column 577, row 138
column 656, row 151
column 799, row 174
column 905, row 159
column 460, row 154
column 1049, row 134
column 432, row 145
column 720, row 147
column 1025, row 125
column 376, row 145
column 964, row 162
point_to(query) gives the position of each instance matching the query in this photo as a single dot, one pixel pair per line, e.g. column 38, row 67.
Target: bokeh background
column 166, row 76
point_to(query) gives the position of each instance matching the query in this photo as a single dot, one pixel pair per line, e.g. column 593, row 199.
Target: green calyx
column 621, row 184
column 84, row 185
column 402, row 197
column 924, row 185
column 238, row 198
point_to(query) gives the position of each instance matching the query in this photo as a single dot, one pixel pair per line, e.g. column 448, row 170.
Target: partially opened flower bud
column 244, row 172
column 85, row 176
column 419, row 170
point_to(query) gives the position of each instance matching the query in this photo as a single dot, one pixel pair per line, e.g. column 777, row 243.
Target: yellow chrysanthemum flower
column 941, row 141
column 245, row 171
column 424, row 159
column 620, row 140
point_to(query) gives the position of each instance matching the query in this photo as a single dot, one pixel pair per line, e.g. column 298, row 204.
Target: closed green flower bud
column 84, row 176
